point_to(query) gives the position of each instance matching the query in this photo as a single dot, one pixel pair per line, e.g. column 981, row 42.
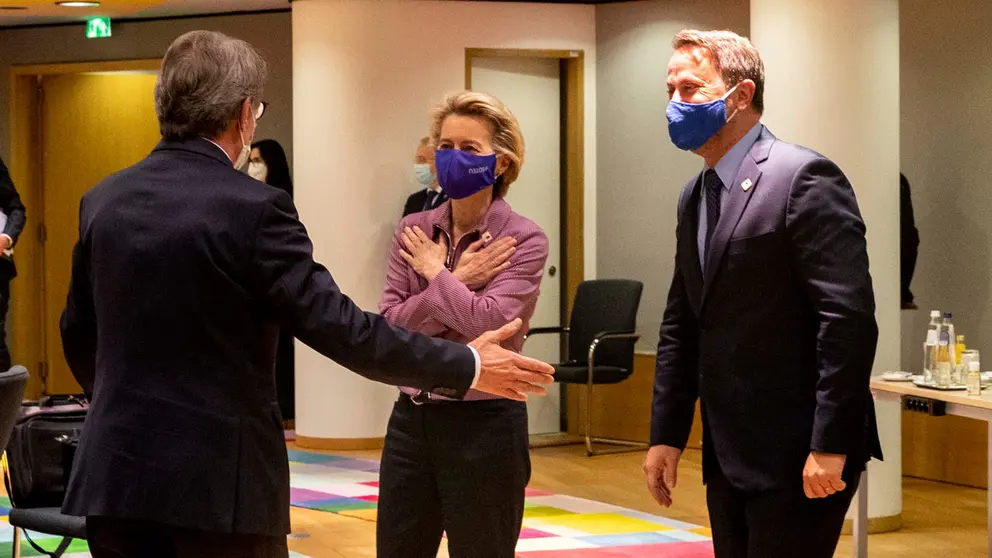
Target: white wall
column 367, row 75
column 640, row 172
column 270, row 33
column 857, row 126
column 946, row 138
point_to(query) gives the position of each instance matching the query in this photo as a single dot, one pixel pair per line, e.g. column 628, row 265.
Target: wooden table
column 956, row 403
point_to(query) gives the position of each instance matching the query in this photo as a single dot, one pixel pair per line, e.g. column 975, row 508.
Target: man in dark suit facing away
column 184, row 271
column 13, row 218
column 769, row 322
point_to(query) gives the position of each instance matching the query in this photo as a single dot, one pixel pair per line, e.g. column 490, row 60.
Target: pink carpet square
column 371, row 483
column 305, row 495
column 527, row 533
column 533, row 493
column 668, row 550
column 370, row 498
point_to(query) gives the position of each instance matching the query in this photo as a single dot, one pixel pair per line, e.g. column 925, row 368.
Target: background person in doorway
column 461, row 467
column 431, row 195
column 909, row 243
column 13, row 223
column 268, row 164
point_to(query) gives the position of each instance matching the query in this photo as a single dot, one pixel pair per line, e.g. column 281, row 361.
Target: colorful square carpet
column 555, row 526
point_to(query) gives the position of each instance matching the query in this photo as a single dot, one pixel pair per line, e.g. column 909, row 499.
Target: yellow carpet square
column 604, row 523
column 704, row 531
column 534, row 512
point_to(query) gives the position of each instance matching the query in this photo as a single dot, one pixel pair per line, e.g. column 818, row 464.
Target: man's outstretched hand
column 506, row 373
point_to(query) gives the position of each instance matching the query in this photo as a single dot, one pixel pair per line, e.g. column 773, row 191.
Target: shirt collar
column 222, row 149
column 730, row 164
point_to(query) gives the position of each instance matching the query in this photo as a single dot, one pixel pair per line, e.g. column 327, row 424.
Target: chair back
column 12, row 383
column 604, row 305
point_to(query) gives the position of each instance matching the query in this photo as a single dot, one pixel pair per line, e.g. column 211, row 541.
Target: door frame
column 572, row 264
column 572, row 72
column 27, row 308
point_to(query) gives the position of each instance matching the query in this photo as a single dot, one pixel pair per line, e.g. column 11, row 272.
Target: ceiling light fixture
column 78, row 4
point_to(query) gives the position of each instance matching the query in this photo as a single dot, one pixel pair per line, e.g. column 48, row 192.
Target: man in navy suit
column 184, row 273
column 769, row 321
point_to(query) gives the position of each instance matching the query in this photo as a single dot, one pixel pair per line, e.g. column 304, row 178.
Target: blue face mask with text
column 691, row 125
column 462, row 174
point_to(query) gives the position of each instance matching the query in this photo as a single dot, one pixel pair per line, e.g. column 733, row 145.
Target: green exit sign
column 97, row 27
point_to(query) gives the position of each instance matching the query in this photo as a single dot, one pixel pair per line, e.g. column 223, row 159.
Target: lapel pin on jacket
column 486, row 237
column 746, row 185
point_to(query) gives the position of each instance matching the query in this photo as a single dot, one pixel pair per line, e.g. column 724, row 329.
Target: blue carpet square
column 313, row 458
column 628, row 539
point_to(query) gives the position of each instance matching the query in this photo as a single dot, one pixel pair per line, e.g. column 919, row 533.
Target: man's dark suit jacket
column 10, row 204
column 415, row 203
column 184, row 272
column 778, row 338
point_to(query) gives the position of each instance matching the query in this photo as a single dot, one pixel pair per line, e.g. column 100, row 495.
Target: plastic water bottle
column 930, row 348
column 945, row 351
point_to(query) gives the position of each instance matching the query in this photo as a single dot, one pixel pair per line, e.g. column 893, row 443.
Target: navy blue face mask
column 691, row 125
column 462, row 174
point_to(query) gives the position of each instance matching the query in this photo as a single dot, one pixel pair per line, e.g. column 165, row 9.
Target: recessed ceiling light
column 78, row 4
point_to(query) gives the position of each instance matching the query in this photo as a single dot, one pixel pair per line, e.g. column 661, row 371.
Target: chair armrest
column 603, row 336
column 563, row 331
column 545, row 330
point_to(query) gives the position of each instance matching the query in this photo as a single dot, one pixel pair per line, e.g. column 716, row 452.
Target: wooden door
column 92, row 125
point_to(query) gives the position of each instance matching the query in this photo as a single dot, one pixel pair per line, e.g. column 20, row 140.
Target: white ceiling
column 45, row 11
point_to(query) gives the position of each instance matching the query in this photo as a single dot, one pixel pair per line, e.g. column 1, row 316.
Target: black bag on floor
column 38, row 458
column 41, row 448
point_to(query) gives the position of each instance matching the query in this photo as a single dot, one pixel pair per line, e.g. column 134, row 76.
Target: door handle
column 552, row 271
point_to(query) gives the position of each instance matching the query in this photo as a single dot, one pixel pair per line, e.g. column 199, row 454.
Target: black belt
column 424, row 397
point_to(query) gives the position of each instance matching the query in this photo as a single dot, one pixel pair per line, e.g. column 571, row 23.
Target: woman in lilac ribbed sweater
column 467, row 267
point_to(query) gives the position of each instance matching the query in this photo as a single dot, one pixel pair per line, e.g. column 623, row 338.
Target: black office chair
column 50, row 521
column 41, row 520
column 599, row 344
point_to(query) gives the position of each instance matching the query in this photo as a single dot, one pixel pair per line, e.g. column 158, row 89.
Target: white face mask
column 258, row 171
column 245, row 152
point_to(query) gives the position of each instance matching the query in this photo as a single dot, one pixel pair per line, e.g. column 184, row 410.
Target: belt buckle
column 420, row 398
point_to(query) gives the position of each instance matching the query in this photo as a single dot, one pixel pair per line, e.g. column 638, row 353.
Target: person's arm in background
column 830, row 255
column 78, row 323
column 471, row 313
column 398, row 304
column 11, row 205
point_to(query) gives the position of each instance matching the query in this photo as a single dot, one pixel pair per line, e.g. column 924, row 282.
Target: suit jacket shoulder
column 415, row 203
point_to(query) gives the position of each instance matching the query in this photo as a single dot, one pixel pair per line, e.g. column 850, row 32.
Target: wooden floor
column 940, row 519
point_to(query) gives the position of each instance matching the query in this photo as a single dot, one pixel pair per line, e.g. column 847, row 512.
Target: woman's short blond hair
column 503, row 126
